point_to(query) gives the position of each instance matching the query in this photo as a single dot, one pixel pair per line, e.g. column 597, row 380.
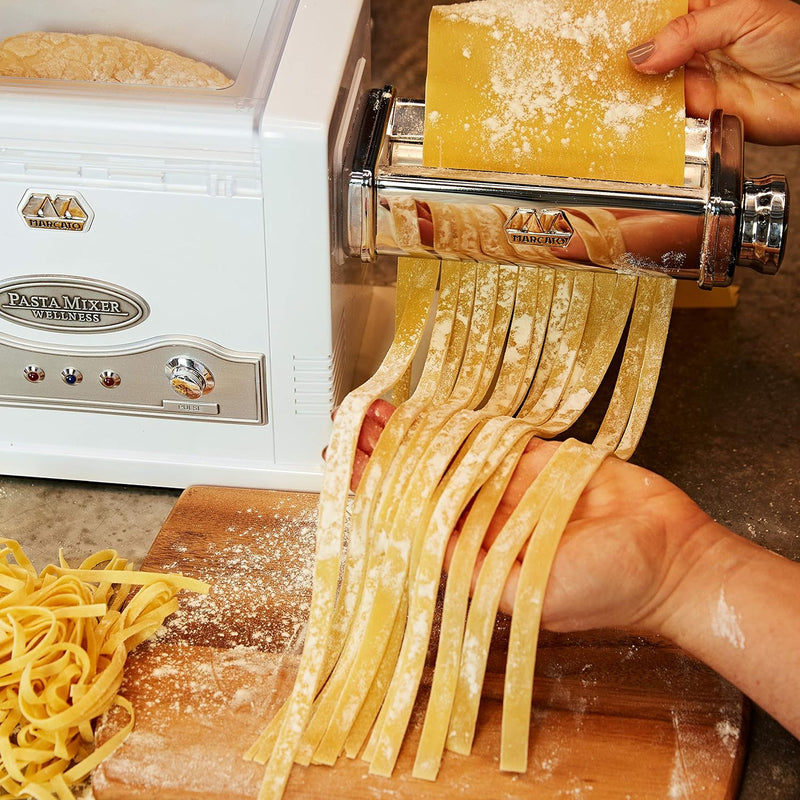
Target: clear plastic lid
column 241, row 38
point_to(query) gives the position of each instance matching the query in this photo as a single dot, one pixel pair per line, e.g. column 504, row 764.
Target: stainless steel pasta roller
column 702, row 231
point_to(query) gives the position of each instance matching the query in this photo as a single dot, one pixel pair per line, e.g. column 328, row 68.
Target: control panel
column 186, row 378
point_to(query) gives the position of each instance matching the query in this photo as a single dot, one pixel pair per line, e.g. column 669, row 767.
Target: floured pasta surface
column 64, row 636
column 98, row 57
column 544, row 87
column 514, row 352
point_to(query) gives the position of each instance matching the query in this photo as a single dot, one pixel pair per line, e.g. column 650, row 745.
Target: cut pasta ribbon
column 64, row 637
column 514, row 352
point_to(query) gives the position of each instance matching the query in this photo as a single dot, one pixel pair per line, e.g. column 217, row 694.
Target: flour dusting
column 725, row 622
column 728, row 734
column 679, row 784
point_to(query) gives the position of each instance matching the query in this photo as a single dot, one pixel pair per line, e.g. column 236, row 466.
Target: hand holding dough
column 625, row 522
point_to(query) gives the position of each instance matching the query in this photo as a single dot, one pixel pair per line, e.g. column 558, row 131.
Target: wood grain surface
column 615, row 715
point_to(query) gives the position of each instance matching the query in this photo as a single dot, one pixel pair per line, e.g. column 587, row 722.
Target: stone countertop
column 724, row 426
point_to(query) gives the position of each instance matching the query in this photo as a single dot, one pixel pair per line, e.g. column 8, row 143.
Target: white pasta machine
column 184, row 284
column 173, row 310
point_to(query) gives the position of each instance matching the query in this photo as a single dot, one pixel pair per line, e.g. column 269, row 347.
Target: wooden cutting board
column 615, row 715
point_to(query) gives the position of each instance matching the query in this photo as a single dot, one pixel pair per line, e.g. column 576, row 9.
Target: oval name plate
column 70, row 303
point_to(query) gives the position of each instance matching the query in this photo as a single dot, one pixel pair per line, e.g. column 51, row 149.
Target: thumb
column 699, row 31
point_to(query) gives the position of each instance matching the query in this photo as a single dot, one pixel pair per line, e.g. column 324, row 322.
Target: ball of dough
column 97, row 57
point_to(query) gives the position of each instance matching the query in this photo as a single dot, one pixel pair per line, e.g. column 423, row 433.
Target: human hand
column 740, row 56
column 631, row 538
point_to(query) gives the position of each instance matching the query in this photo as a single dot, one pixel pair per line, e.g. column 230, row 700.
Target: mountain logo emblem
column 544, row 227
column 63, row 212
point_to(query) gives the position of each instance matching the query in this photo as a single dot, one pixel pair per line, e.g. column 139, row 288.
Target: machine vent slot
column 319, row 384
column 312, row 382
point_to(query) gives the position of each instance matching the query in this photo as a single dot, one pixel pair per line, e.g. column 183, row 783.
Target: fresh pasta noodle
column 453, row 445
column 431, row 454
column 541, row 549
column 454, row 611
column 64, row 637
column 312, row 671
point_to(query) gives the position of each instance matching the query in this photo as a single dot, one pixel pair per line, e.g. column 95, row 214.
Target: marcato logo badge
column 543, row 227
column 59, row 212
column 69, row 303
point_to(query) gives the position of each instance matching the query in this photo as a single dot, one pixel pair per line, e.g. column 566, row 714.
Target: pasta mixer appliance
column 158, row 323
column 186, row 283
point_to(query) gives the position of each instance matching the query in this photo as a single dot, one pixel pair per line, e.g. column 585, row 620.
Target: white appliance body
column 173, row 308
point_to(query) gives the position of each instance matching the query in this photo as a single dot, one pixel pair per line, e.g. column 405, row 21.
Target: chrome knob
column 189, row 378
column 765, row 215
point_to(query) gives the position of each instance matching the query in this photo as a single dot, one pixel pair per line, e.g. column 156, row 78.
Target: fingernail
column 640, row 53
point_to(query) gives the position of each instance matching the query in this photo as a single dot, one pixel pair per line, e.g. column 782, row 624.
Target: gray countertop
column 724, row 426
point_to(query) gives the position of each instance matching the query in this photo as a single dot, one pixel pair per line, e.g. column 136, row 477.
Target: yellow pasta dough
column 544, row 87
column 455, row 442
column 312, row 671
column 98, row 57
column 64, row 636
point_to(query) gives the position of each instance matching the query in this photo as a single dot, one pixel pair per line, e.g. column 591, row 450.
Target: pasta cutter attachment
column 701, row 231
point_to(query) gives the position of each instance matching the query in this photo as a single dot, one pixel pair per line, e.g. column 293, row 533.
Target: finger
column 506, row 604
column 700, row 31
column 374, row 422
column 536, row 454
column 380, row 411
column 372, row 426
column 368, row 435
column 359, row 465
